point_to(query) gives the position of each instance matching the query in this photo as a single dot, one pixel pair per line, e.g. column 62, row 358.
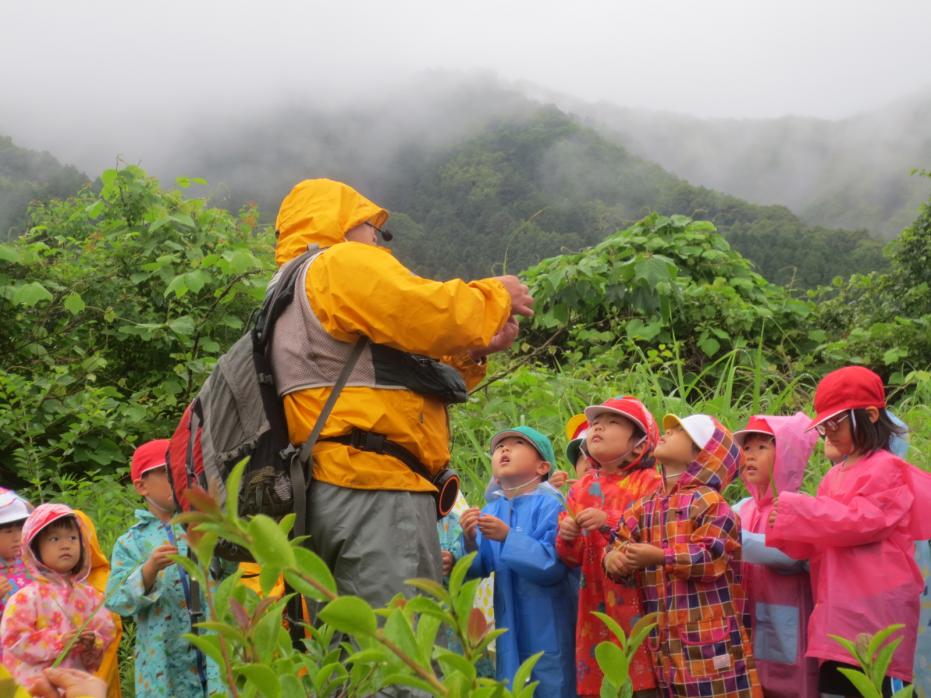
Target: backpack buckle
column 367, row 441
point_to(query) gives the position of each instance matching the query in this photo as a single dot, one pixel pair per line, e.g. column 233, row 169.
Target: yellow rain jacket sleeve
column 109, row 669
column 357, row 289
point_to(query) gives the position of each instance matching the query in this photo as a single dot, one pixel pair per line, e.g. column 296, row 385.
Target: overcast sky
column 89, row 73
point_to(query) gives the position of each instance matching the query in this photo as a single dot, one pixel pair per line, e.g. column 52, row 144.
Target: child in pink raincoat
column 776, row 451
column 14, row 510
column 859, row 531
column 40, row 619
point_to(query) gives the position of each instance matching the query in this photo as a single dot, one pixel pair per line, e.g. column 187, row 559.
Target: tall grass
column 738, row 384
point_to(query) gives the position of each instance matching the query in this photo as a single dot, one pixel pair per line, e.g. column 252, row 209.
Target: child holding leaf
column 59, row 619
column 146, row 584
column 620, row 437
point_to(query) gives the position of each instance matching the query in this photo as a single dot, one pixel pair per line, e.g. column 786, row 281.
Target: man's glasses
column 831, row 425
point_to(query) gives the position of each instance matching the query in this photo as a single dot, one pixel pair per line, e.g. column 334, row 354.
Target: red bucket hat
column 149, row 456
column 848, row 388
column 755, row 425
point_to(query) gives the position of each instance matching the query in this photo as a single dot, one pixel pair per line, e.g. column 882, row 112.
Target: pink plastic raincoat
column 859, row 533
column 778, row 588
column 39, row 617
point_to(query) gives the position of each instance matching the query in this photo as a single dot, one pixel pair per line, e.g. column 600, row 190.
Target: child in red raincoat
column 682, row 544
column 776, row 452
column 619, row 441
column 859, row 532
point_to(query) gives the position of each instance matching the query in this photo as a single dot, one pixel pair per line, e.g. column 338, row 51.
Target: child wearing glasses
column 859, row 531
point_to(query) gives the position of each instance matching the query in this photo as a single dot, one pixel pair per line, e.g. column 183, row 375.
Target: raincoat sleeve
column 356, row 289
column 21, row 634
column 472, row 372
column 126, row 594
column 715, row 535
column 755, row 551
column 881, row 502
column 532, row 554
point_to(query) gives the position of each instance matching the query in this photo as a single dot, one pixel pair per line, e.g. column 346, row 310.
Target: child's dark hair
column 68, row 523
column 871, row 436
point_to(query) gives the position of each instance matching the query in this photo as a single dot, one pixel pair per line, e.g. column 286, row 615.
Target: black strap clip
column 368, row 441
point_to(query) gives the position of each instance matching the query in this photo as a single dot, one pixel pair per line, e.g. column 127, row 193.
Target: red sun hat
column 149, row 456
column 848, row 388
column 755, row 425
column 628, row 407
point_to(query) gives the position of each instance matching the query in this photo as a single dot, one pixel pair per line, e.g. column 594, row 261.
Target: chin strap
column 159, row 506
column 620, row 459
column 535, row 478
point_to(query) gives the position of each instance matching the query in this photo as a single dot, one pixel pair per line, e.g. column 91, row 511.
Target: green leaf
column 95, row 209
column 613, row 626
column 73, row 303
column 263, row 678
column 272, row 547
column 314, row 567
column 398, row 630
column 522, row 675
column 861, row 683
column 612, row 661
column 30, row 294
column 349, row 614
column 458, row 573
column 183, row 325
column 9, row 253
column 233, row 485
column 709, row 345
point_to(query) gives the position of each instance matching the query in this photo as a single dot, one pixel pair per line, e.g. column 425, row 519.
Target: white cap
column 12, row 507
column 699, row 427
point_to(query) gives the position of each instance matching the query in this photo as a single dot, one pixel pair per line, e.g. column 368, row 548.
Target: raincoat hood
column 717, row 463
column 320, row 212
column 794, row 444
column 40, row 518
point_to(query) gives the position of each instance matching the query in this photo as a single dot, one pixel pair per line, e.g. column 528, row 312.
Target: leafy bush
column 114, row 307
column 664, row 282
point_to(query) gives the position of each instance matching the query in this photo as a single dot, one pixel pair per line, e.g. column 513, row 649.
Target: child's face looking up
column 759, row 458
column 60, row 546
column 611, row 437
column 515, row 462
column 10, row 537
column 676, row 449
column 155, row 487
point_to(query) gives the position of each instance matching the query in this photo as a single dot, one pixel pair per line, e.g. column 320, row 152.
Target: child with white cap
column 682, row 544
column 619, row 441
column 14, row 510
column 515, row 536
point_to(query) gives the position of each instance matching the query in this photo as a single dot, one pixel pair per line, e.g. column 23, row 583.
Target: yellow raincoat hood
column 321, row 212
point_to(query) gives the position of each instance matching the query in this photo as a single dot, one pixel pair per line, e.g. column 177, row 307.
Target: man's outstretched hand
column 521, row 300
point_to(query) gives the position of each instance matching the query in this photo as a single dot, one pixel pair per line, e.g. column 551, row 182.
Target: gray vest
column 304, row 356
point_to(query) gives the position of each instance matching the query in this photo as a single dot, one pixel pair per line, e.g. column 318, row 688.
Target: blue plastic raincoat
column 535, row 593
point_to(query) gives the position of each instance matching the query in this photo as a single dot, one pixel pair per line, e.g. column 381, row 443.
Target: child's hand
column 569, row 529
column 5, row 586
column 558, row 478
column 74, row 682
column 591, row 519
column 615, row 564
column 448, row 561
column 158, row 560
column 492, row 527
column 638, row 555
column 469, row 524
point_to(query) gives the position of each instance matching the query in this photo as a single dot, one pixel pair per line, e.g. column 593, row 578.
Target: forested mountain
column 26, row 175
column 849, row 173
column 479, row 178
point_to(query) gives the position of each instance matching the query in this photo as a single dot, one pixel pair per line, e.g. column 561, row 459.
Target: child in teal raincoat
column 515, row 536
column 144, row 583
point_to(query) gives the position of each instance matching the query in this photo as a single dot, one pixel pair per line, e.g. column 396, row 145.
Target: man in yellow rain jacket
column 371, row 517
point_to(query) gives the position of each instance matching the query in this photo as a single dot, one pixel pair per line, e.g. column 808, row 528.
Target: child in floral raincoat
column 683, row 545
column 620, row 439
column 42, row 618
column 146, row 584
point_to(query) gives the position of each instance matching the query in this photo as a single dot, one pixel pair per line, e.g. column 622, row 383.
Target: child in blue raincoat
column 515, row 536
column 146, row 584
